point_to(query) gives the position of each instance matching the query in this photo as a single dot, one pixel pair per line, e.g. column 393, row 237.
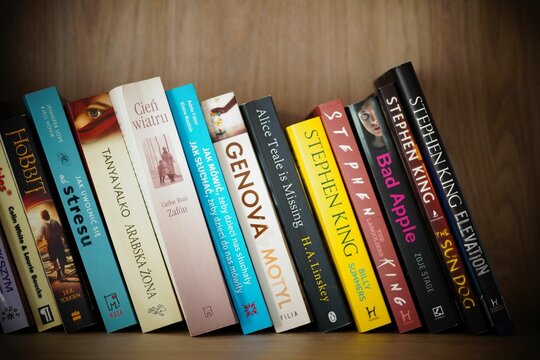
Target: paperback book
column 156, row 153
column 99, row 139
column 80, row 207
column 445, row 181
column 321, row 284
column 25, row 253
column 55, row 245
column 434, row 300
column 258, row 220
column 336, row 217
column 223, row 224
column 369, row 215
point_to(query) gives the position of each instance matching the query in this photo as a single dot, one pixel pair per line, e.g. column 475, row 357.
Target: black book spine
column 315, row 269
column 404, row 218
column 57, row 247
column 447, row 186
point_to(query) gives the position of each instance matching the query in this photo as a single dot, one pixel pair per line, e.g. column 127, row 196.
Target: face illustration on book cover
column 161, row 162
column 226, row 120
column 370, row 122
column 94, row 118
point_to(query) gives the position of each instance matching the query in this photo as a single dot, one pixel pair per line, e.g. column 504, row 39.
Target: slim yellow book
column 337, row 220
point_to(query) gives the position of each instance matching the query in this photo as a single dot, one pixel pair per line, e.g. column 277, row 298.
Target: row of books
column 147, row 206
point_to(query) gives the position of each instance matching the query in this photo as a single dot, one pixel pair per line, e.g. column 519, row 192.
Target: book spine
column 221, row 219
column 156, row 153
column 13, row 305
column 55, row 245
column 431, row 209
column 258, row 220
column 454, row 203
column 25, row 252
column 321, row 284
column 336, row 217
column 81, row 210
column 100, row 141
column 369, row 214
column 406, row 223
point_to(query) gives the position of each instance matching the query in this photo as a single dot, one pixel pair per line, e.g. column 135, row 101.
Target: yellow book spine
column 24, row 250
column 336, row 217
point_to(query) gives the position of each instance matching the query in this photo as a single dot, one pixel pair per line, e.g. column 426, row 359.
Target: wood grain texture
column 477, row 61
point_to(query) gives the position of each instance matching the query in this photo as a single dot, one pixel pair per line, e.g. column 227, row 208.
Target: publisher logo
column 46, row 314
column 10, row 313
column 332, row 317
column 371, row 313
column 438, row 312
column 76, row 315
column 112, row 302
column 208, row 312
column 157, row 310
column 250, row 309
column 64, row 158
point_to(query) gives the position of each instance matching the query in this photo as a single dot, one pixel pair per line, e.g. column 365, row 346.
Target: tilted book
column 336, row 217
column 434, row 300
column 56, row 246
column 445, row 181
column 156, row 153
column 230, row 245
column 321, row 284
column 431, row 208
column 24, row 250
column 256, row 213
column 80, row 207
column 98, row 136
column 14, row 314
column 369, row 214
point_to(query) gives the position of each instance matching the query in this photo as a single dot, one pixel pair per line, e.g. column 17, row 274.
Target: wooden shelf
column 478, row 63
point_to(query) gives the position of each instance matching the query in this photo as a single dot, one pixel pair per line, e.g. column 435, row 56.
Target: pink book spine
column 368, row 212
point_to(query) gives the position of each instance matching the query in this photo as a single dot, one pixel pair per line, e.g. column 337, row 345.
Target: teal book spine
column 221, row 219
column 81, row 208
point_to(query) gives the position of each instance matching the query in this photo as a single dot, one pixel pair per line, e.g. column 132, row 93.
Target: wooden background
column 477, row 60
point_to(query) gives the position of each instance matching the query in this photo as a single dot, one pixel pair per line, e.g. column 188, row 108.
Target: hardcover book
column 24, row 250
column 445, row 181
column 431, row 208
column 56, row 246
column 13, row 304
column 321, row 284
column 167, row 187
column 80, row 207
column 223, row 224
column 256, row 213
column 410, row 233
column 336, row 217
column 98, row 136
column 369, row 214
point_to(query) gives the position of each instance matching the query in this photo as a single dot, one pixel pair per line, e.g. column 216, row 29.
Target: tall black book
column 315, row 269
column 404, row 218
column 447, row 186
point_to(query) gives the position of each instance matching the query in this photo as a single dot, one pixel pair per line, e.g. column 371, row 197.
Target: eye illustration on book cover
column 221, row 125
column 94, row 118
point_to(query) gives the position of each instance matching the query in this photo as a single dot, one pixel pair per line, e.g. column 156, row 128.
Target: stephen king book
column 434, row 300
column 321, row 284
column 445, row 181
column 256, row 213
column 24, row 250
column 159, row 162
column 56, row 246
column 14, row 314
column 98, row 136
column 431, row 208
column 230, row 245
column 80, row 207
column 369, row 214
column 336, row 217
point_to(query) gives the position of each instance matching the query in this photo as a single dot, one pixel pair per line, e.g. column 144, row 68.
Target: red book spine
column 431, row 208
column 371, row 220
